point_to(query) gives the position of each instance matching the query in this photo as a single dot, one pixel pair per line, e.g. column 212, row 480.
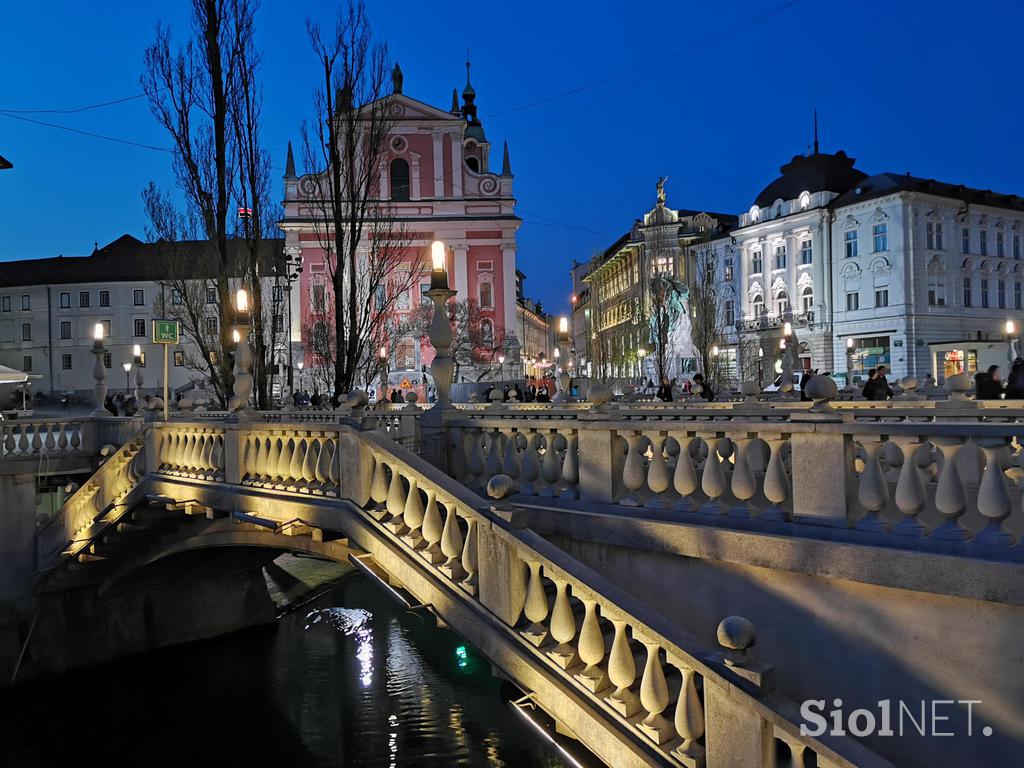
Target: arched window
column 806, row 299
column 473, row 164
column 487, row 330
column 781, row 302
column 399, row 179
column 486, row 294
column 758, row 302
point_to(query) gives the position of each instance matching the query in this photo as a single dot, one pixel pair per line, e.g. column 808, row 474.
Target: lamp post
column 127, row 368
column 383, row 373
column 1011, row 329
column 300, row 365
column 501, row 367
column 99, row 373
column 239, row 402
column 137, row 356
column 788, row 345
column 849, row 363
column 563, row 377
column 641, row 353
column 442, row 367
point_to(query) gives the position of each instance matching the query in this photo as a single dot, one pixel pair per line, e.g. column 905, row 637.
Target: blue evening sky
column 714, row 95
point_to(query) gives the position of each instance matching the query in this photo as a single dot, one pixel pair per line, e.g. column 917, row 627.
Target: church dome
column 812, row 173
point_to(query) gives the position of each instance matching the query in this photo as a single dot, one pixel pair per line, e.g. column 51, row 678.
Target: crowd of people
column 989, row 385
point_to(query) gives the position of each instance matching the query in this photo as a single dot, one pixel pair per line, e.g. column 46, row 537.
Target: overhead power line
column 72, row 110
column 129, row 142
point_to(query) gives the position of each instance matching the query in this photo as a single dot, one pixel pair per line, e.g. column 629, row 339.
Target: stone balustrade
column 24, row 438
column 302, row 460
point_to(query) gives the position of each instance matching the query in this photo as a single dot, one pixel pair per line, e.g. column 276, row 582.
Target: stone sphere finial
column 750, row 389
column 599, row 394
column 496, row 395
column 500, row 487
column 357, row 398
column 411, row 397
column 822, row 389
column 908, row 384
column 736, row 634
column 959, row 386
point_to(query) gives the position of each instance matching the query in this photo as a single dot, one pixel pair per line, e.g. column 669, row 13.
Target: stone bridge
column 875, row 548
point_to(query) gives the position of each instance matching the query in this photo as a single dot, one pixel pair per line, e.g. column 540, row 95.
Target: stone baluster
column 37, row 441
column 622, row 672
column 563, row 627
column 536, row 607
column 654, row 697
column 396, row 502
column 324, row 461
column 633, row 475
column 993, row 495
column 873, row 489
column 62, row 437
column 591, row 650
column 712, row 480
column 743, row 484
column 451, row 545
column 776, row 480
column 474, row 455
column 23, row 443
column 271, row 476
column 689, row 721
column 412, row 515
column 493, row 462
column 309, row 461
column 571, row 467
column 684, row 476
column 379, row 486
column 658, row 479
column 510, row 464
column 950, row 492
column 530, row 465
column 470, row 559
column 910, row 496
column 550, row 468
column 433, row 529
column 295, row 456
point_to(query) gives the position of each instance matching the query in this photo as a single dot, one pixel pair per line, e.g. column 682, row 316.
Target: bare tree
column 205, row 95
column 365, row 247
column 706, row 311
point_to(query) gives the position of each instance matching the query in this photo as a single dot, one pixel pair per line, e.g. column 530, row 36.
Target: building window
column 755, row 262
column 1016, row 246
column 729, row 312
column 26, row 302
column 83, row 298
column 937, row 294
column 486, row 295
column 107, row 360
column 278, row 293
column 399, row 179
column 402, row 301
column 65, row 301
column 852, row 301
column 211, row 326
column 104, row 298
column 179, row 359
column 6, row 303
column 1000, row 244
column 728, row 273
column 140, row 327
column 851, row 244
column 758, row 305
column 967, row 291
column 65, row 362
column 806, row 299
column 106, row 329
column 806, row 253
column 278, row 323
column 984, row 293
column 176, row 299
column 782, row 302
column 880, row 237
column 26, row 331
column 780, row 257
column 933, row 232
column 65, row 329
column 487, row 329
column 381, row 297
column 320, row 337
column 139, row 297
column 1001, row 294
column 26, row 364
column 983, row 242
column 882, row 298
column 211, row 295
column 320, row 297
column 1017, row 296
column 965, row 240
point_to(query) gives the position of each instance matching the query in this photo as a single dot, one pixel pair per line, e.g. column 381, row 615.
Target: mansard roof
column 883, row 184
column 812, row 173
column 128, row 259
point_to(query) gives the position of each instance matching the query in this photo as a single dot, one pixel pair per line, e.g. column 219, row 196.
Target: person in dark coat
column 989, row 385
column 1015, row 381
column 869, row 386
column 706, row 391
column 882, row 389
column 808, row 375
column 665, row 390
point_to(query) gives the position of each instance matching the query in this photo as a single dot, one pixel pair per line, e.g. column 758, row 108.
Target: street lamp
column 300, row 365
column 442, row 367
column 383, row 373
column 127, row 367
column 501, row 367
column 137, row 356
column 849, row 362
column 99, row 372
column 242, row 386
column 1011, row 329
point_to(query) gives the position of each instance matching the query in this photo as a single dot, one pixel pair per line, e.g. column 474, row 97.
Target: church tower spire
column 506, row 166
column 289, row 165
column 815, row 131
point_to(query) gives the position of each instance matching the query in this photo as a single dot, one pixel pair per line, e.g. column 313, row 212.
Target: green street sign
column 165, row 331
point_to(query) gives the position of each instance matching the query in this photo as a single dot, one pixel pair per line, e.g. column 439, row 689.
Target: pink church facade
column 436, row 178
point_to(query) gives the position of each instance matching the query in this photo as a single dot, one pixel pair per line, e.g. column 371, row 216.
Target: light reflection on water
column 352, row 681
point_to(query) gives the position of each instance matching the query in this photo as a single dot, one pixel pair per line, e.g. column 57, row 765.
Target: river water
column 350, row 679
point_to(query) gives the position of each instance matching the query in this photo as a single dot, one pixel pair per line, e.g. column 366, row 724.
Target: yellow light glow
column 383, row 352
column 1010, row 328
column 558, row 352
column 236, row 336
column 849, row 343
column 563, row 325
column 97, row 331
column 501, row 359
column 782, row 343
column 787, row 329
column 714, row 351
column 437, row 255
column 641, row 351
column 241, row 300
column 137, row 350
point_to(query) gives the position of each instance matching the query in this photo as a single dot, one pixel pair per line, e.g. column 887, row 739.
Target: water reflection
column 354, row 622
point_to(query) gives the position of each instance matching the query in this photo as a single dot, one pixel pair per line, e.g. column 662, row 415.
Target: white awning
column 11, row 376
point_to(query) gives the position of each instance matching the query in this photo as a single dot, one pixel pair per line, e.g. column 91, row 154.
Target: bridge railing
column 22, row 439
column 949, row 478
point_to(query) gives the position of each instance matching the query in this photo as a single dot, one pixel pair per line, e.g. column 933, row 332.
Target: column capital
column 459, row 246
column 508, row 244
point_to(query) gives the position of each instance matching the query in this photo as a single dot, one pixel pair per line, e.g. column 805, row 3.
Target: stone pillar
column 823, row 479
column 502, row 575
column 232, row 455
column 438, row 164
column 508, row 276
column 461, row 269
column 457, row 164
column 599, row 467
column 356, row 466
column 734, row 734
